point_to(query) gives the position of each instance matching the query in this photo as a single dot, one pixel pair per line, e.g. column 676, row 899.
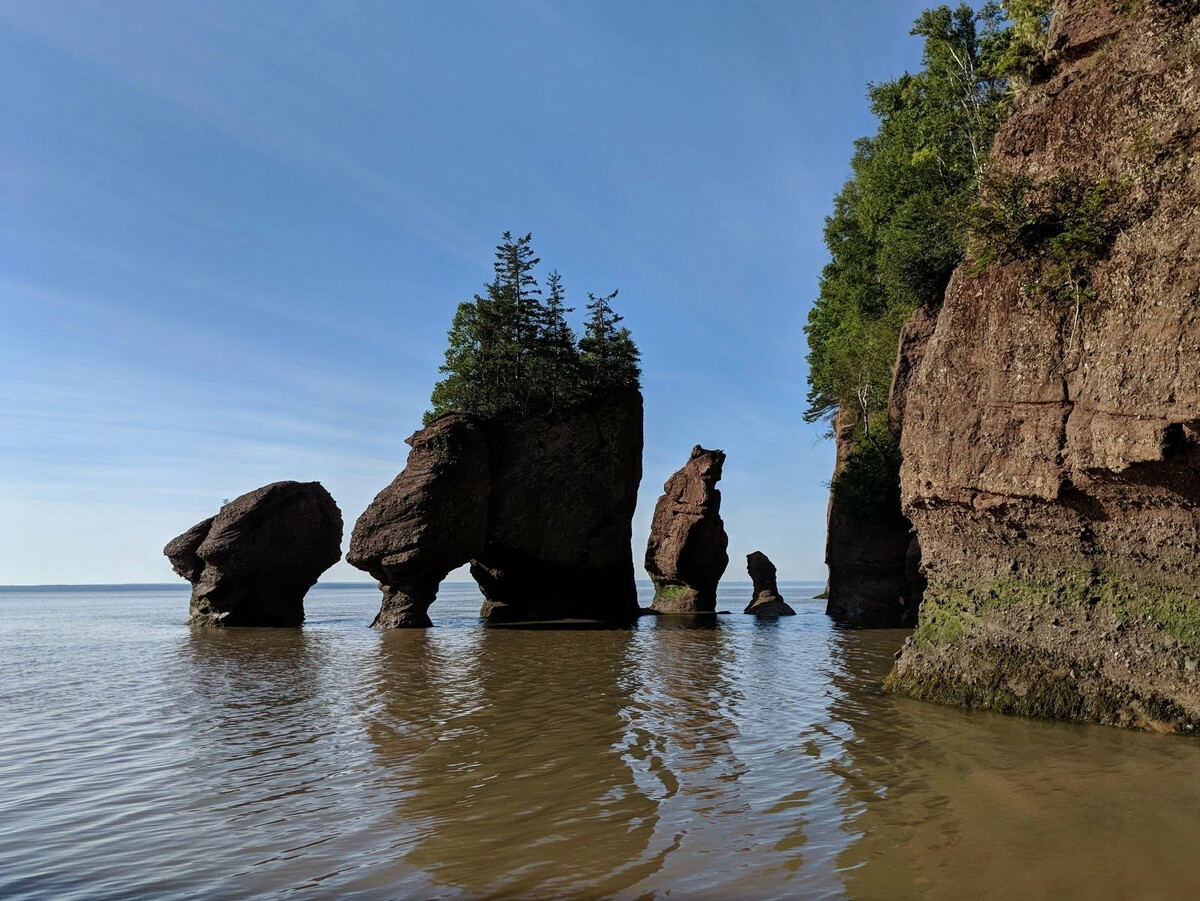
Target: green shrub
column 1065, row 226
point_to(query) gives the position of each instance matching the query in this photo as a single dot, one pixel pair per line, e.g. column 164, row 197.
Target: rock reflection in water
column 269, row 783
column 506, row 755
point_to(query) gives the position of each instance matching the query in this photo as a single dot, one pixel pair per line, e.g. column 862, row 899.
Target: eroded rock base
column 683, row 599
column 1082, row 646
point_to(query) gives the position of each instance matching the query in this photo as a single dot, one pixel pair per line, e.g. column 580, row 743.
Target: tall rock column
column 686, row 554
column 867, row 540
column 871, row 551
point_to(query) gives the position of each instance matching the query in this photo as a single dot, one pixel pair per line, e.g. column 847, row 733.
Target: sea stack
column 766, row 599
column 686, row 554
column 541, row 508
column 867, row 545
column 252, row 563
column 1051, row 437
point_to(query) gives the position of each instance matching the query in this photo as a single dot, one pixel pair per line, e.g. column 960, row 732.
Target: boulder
column 686, row 554
column 766, row 599
column 541, row 508
column 252, row 563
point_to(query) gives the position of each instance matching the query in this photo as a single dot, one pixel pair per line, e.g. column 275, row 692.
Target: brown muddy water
column 142, row 759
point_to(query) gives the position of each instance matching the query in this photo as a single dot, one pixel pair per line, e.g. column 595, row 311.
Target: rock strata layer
column 1051, row 444
column 766, row 599
column 253, row 563
column 541, row 508
column 687, row 552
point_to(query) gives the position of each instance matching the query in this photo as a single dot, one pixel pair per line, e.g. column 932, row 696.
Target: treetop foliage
column 898, row 227
column 512, row 352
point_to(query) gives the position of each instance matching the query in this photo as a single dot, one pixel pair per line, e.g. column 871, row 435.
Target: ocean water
column 140, row 758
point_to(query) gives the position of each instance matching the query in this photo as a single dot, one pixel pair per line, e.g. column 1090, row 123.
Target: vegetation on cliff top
column 898, row 228
column 512, row 352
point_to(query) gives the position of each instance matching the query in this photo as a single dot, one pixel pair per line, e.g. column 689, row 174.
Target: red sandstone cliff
column 1051, row 441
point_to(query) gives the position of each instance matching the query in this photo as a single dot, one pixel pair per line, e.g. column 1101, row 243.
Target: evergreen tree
column 511, row 353
column 462, row 387
column 556, row 357
column 517, row 305
column 610, row 358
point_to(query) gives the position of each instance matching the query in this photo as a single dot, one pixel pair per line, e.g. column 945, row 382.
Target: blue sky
column 232, row 236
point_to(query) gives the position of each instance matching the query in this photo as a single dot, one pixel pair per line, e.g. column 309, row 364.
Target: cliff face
column 542, row 509
column 872, row 553
column 1051, row 436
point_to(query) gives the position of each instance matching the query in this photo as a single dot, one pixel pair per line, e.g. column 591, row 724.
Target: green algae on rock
column 1076, row 646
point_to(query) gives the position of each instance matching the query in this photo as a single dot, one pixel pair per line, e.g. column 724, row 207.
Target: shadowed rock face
column 868, row 553
column 874, row 560
column 541, row 508
column 1052, row 451
column 252, row 563
column 766, row 600
column 686, row 555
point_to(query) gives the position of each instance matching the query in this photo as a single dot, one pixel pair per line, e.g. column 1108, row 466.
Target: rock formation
column 686, row 555
column 541, row 508
column 766, row 600
column 252, row 563
column 867, row 550
column 1051, row 432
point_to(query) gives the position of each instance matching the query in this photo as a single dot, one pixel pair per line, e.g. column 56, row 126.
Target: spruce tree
column 518, row 308
column 610, row 358
column 557, row 359
column 511, row 353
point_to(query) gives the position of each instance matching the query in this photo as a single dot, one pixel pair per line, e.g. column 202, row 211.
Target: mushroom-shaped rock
column 252, row 563
column 767, row 601
column 686, row 555
column 540, row 507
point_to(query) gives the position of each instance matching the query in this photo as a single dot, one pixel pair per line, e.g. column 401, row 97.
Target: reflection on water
column 736, row 758
column 507, row 750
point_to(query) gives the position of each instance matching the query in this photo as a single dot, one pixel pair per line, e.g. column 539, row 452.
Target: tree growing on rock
column 898, row 227
column 512, row 352
column 610, row 358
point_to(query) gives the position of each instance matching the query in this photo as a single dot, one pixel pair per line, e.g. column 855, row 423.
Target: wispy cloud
column 186, row 57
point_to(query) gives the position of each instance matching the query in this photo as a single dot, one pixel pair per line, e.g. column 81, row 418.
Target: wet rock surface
column 766, row 599
column 253, row 563
column 687, row 551
column 1052, row 449
column 541, row 508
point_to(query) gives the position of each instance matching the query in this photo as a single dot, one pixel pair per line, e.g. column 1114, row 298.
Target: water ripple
column 142, row 759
